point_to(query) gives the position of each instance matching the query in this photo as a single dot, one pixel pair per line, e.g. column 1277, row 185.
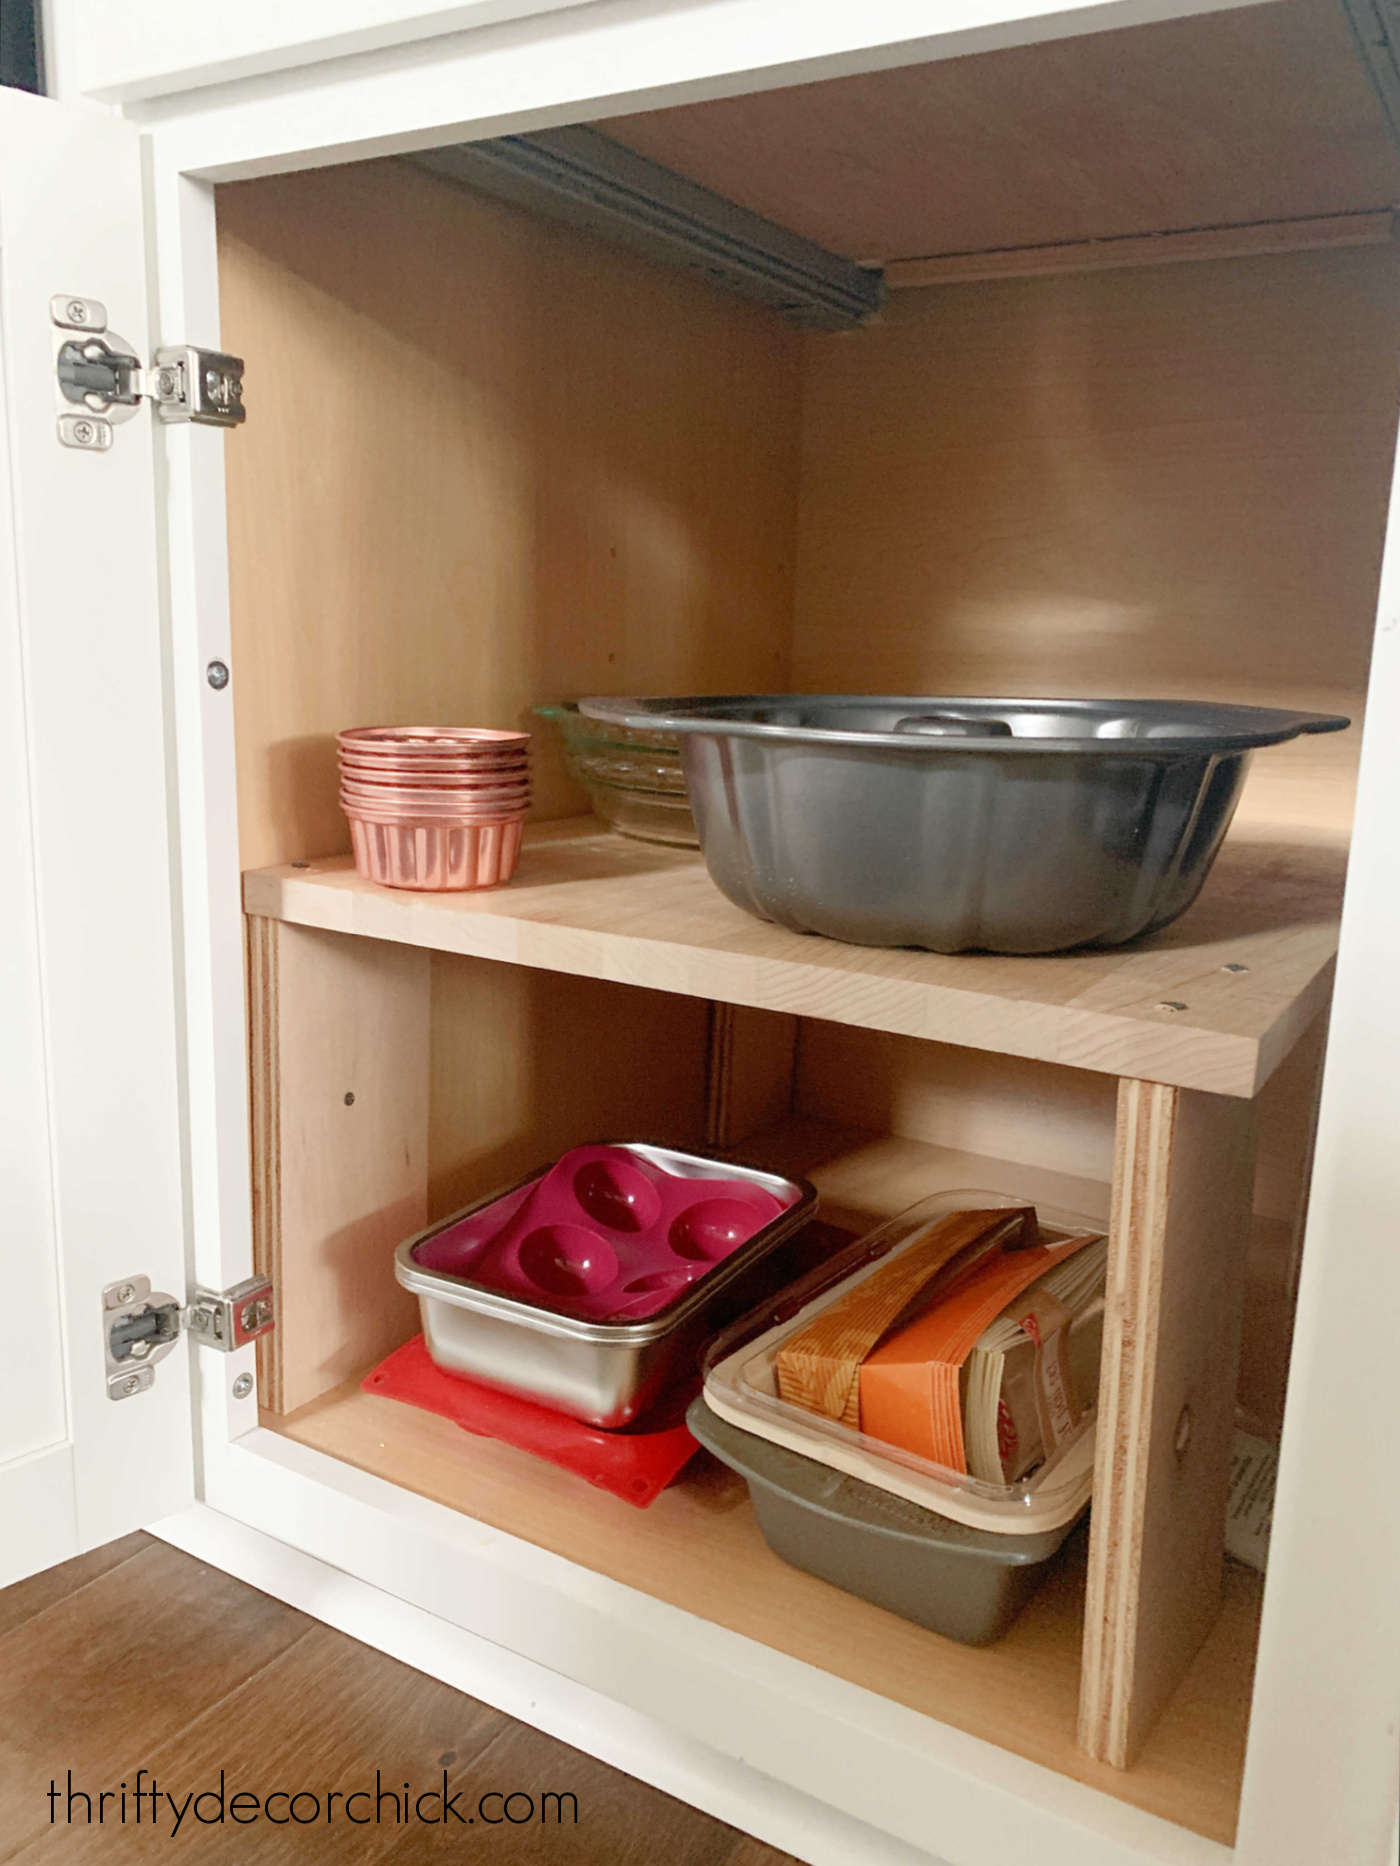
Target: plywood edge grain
column 265, row 1131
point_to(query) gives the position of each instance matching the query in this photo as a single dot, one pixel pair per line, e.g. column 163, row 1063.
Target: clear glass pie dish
column 633, row 778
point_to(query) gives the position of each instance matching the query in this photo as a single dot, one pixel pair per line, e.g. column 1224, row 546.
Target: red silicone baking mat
column 635, row 1465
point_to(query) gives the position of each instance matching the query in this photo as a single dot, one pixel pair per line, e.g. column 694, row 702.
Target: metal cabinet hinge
column 141, row 1325
column 101, row 380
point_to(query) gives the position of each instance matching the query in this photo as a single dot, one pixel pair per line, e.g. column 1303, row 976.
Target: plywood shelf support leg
column 339, row 1032
column 1182, row 1183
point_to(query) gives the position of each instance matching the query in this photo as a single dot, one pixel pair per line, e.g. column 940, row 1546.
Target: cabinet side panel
column 492, row 464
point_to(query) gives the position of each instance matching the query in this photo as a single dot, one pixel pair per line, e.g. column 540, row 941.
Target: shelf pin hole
column 1183, row 1432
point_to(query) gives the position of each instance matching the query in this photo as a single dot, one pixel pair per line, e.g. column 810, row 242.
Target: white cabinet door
column 90, row 1140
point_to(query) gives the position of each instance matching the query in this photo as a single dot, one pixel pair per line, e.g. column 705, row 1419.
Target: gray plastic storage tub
column 968, row 1584
column 1017, row 826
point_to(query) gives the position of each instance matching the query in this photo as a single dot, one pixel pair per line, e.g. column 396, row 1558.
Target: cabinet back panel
column 488, row 464
column 1155, row 480
column 1008, row 1108
column 526, row 1064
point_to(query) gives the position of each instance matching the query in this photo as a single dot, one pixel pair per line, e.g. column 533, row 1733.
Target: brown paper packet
column 818, row 1368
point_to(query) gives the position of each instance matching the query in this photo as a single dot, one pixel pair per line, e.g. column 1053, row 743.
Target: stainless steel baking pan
column 607, row 1373
column 1017, row 826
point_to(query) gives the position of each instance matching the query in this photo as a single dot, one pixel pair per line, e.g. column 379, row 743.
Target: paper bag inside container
column 1035, row 1370
column 818, row 1368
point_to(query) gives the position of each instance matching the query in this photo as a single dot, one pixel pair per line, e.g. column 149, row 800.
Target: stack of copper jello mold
column 435, row 807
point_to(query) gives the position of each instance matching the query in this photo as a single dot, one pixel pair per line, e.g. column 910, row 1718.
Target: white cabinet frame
column 1329, row 1673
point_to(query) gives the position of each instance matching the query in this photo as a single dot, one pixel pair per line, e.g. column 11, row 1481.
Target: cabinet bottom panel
column 698, row 1546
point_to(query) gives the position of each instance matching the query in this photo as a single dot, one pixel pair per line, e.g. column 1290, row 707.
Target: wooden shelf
column 600, row 906
column 700, row 1548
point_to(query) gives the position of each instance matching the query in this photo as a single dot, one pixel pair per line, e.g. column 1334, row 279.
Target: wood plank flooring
column 139, row 1657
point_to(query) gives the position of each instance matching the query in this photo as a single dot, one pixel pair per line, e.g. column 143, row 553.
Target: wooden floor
column 138, row 1656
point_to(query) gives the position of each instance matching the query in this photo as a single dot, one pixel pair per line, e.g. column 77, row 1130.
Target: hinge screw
column 77, row 311
column 132, row 1384
column 83, row 432
column 126, row 1292
column 165, row 381
column 243, row 1386
column 217, row 675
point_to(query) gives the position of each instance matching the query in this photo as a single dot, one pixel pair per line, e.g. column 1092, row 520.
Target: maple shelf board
column 598, row 905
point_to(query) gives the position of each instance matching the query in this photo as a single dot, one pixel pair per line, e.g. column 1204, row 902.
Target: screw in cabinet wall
column 21, row 46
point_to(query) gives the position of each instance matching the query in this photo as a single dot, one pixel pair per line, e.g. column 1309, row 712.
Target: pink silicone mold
column 604, row 1235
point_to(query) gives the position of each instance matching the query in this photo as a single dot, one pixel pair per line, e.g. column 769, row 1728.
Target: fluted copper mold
column 436, row 856
column 435, row 808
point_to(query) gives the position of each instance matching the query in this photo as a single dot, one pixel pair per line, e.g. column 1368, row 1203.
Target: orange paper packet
column 909, row 1386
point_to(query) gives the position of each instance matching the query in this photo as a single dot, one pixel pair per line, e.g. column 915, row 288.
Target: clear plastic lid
column 741, row 1384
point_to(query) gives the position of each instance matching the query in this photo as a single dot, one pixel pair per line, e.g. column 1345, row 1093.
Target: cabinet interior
column 491, row 463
